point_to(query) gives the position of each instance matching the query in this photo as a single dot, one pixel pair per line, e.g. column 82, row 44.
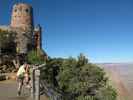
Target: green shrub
column 79, row 80
column 34, row 58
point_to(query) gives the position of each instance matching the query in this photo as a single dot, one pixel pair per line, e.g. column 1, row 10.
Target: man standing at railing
column 23, row 77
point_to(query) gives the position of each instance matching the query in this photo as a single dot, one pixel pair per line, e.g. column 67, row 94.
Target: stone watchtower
column 22, row 23
column 27, row 37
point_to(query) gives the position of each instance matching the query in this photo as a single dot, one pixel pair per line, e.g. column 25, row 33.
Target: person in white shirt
column 22, row 75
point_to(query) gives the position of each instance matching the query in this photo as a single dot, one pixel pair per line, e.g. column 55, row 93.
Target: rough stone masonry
column 28, row 36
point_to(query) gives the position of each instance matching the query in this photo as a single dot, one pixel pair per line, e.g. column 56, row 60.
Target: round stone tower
column 22, row 24
column 22, row 16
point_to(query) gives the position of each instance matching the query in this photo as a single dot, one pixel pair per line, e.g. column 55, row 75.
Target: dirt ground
column 8, row 91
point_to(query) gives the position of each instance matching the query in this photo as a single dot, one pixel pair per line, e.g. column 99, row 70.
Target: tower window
column 15, row 10
column 26, row 10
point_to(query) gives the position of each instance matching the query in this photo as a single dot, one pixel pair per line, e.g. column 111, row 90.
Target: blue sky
column 101, row 29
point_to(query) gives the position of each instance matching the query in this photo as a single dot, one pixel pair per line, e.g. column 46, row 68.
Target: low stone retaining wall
column 2, row 77
column 7, row 76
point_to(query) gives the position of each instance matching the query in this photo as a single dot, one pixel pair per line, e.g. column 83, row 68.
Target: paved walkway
column 8, row 91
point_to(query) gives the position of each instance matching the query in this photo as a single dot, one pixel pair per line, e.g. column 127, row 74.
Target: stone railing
column 7, row 76
column 35, row 82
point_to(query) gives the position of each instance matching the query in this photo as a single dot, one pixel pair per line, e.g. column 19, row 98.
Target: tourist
column 23, row 77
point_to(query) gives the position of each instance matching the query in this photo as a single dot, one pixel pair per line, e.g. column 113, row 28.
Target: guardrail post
column 37, row 84
column 33, row 84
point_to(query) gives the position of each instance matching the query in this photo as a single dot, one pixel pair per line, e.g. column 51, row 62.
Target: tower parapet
column 22, row 16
